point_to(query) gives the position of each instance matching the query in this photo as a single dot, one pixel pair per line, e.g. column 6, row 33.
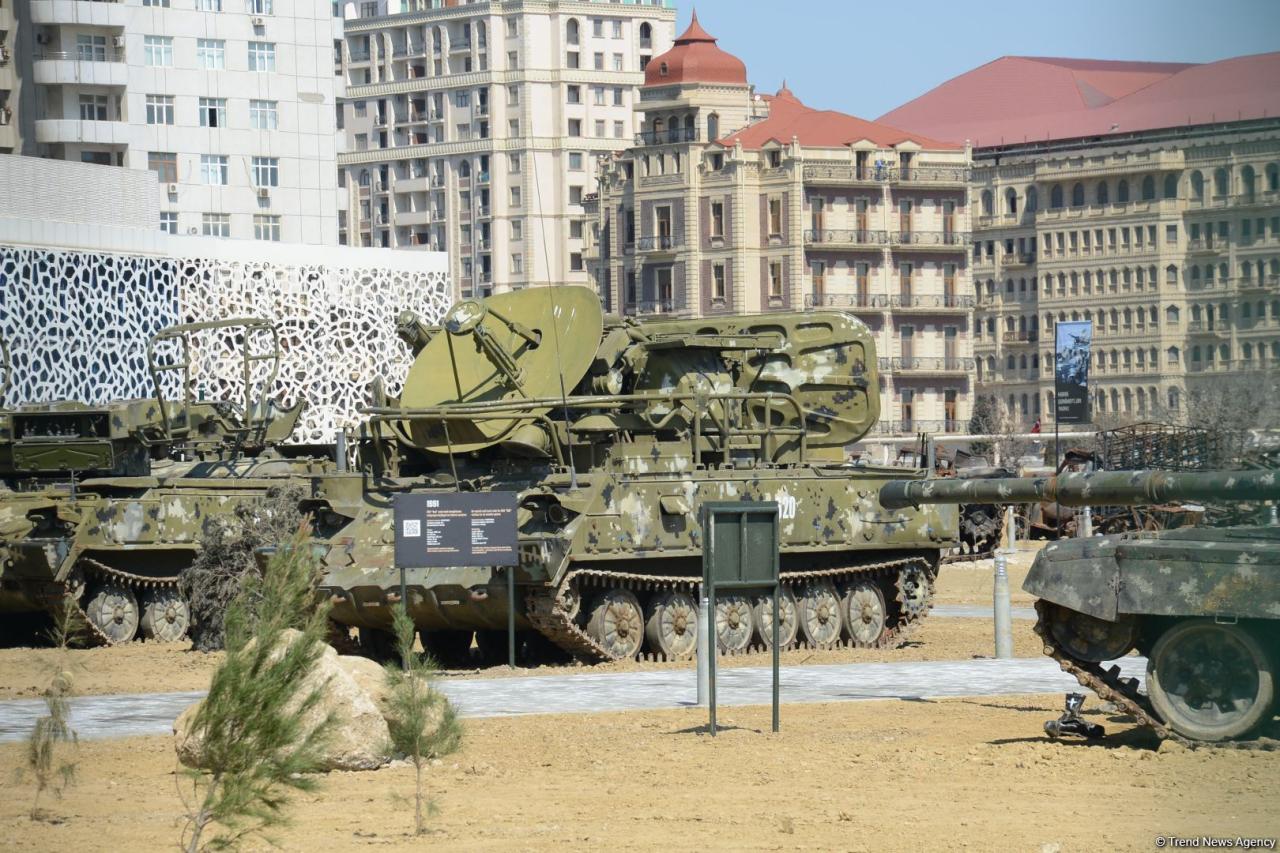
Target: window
column 213, row 112
column 575, row 127
column 513, row 164
column 209, row 6
column 462, row 99
column 262, row 56
column 575, row 261
column 599, row 128
column 597, row 28
column 513, row 59
column 513, row 127
column 575, row 229
column 211, row 54
column 618, row 130
column 597, row 95
column 717, row 219
column 513, row 96
column 517, row 264
column 515, row 197
column 598, row 61
column 775, row 217
column 517, row 230
column 93, row 107
column 617, row 96
column 164, row 164
column 159, row 109
column 213, row 169
column 775, row 279
column 617, row 29
column 571, row 60
column 157, row 51
column 91, row 48
column 513, row 27
column 617, row 62
column 266, row 171
column 266, row 227
column 159, row 3
column 215, row 224
column 575, row 161
column 262, row 7
column 263, row 115
column 573, row 94
column 575, row 195
column 169, row 222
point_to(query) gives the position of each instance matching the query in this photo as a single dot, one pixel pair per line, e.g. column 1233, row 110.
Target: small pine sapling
column 256, row 747
column 422, row 722
column 51, row 768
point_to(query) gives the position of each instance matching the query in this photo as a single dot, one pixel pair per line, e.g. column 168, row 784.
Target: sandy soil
column 881, row 775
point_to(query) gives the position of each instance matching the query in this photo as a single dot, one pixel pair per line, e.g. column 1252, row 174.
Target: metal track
column 553, row 612
column 73, row 593
column 1110, row 687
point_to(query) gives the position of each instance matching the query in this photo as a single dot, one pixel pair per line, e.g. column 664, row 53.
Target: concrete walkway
column 977, row 611
column 120, row 716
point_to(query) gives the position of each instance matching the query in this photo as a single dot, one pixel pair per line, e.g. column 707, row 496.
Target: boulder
column 359, row 737
column 372, row 677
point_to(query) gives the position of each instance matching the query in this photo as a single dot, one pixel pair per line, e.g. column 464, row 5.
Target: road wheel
column 820, row 622
column 735, row 624
column 865, row 613
column 672, row 625
column 165, row 616
column 617, row 624
column 764, row 618
column 1209, row 681
column 113, row 610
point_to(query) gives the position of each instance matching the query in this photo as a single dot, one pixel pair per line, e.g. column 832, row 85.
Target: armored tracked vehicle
column 105, row 505
column 1201, row 603
column 613, row 433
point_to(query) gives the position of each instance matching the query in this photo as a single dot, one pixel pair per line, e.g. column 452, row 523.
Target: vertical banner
column 1071, row 372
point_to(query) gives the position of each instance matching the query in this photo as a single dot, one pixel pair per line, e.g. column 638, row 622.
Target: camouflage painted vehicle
column 1201, row 603
column 613, row 433
column 106, row 504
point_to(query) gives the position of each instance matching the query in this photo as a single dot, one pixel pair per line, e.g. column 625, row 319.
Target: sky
column 866, row 59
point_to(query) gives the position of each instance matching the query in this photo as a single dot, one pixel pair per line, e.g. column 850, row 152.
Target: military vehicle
column 613, row 433
column 1201, row 603
column 105, row 505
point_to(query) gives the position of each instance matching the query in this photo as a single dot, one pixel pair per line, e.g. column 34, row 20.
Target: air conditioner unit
column 118, row 41
column 263, row 192
column 257, row 22
column 173, row 189
column 193, row 230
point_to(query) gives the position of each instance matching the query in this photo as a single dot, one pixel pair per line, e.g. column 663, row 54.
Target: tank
column 614, row 433
column 1201, row 603
column 105, row 505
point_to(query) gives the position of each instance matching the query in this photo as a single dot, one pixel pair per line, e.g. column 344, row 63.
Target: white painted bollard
column 704, row 643
column 1003, row 618
column 1011, row 525
column 1084, row 525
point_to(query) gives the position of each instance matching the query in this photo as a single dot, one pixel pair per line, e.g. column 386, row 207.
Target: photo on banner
column 1073, row 341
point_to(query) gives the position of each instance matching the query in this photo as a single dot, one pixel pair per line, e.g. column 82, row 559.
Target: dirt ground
column 878, row 775
column 151, row 667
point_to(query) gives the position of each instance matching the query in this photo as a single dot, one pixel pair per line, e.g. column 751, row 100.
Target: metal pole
column 704, row 643
column 1004, row 625
column 711, row 660
column 404, row 603
column 340, row 451
column 511, row 616
column 777, row 618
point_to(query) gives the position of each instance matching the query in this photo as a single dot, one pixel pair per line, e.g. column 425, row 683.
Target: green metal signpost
column 740, row 553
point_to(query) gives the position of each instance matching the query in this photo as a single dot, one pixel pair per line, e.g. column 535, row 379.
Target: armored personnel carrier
column 105, row 505
column 1201, row 603
column 613, row 433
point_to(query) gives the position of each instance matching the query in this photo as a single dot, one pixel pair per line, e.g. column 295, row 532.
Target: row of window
column 211, row 54
column 215, row 169
column 252, row 7
column 265, row 226
column 573, row 95
column 212, row 112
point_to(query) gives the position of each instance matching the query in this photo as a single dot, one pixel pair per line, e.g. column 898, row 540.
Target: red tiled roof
column 695, row 58
column 788, row 118
column 1018, row 99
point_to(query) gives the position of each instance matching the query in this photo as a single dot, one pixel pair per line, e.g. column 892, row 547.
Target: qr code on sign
column 412, row 528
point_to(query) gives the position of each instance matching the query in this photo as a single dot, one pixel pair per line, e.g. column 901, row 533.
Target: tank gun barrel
column 1097, row 488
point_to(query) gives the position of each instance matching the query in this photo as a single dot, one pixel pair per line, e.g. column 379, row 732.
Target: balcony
column 911, row 426
column 928, row 365
column 413, row 185
column 413, row 217
column 1258, row 283
column 850, row 239
column 856, row 301
column 930, row 176
column 64, row 68
column 662, row 243
column 652, row 308
column 460, row 46
column 933, row 304
column 930, row 241
column 482, row 211
column 1020, row 337
column 841, row 174
column 1013, row 260
column 77, row 131
column 1206, row 245
column 93, row 13
column 1200, row 329
column 670, row 136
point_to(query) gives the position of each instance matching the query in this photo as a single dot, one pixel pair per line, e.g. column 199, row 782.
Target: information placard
column 443, row 529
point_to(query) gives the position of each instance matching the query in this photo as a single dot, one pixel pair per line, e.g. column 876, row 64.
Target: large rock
column 359, row 737
column 372, row 678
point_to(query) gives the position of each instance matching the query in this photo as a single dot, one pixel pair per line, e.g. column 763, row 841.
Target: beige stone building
column 735, row 202
column 475, row 128
column 1143, row 213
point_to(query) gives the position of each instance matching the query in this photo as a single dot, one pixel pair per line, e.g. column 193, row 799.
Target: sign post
column 457, row 529
column 739, row 554
column 1073, row 342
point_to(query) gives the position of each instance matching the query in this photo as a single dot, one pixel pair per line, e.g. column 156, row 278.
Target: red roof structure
column 1018, row 99
column 695, row 58
column 789, row 118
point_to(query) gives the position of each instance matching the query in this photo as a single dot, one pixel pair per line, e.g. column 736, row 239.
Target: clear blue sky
column 838, row 54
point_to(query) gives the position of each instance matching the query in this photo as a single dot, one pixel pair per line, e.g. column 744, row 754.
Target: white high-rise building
column 230, row 102
column 475, row 128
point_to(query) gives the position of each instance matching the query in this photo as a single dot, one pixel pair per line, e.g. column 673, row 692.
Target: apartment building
column 10, row 86
column 731, row 202
column 1144, row 197
column 230, row 102
column 475, row 128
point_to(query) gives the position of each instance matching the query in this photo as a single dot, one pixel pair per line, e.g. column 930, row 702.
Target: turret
column 1098, row 488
